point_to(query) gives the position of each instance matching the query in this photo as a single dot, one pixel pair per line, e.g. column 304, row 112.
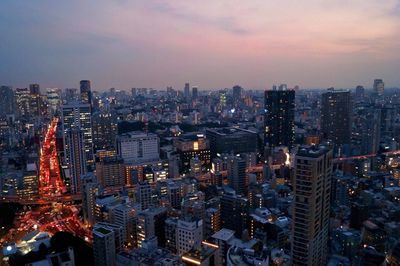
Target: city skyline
column 317, row 44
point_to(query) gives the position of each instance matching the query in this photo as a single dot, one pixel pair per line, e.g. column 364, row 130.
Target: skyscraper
column 86, row 92
column 104, row 248
column 195, row 93
column 279, row 118
column 75, row 159
column 7, row 100
column 379, row 87
column 312, row 183
column 22, row 101
column 34, row 99
column 78, row 116
column 336, row 116
column 186, row 91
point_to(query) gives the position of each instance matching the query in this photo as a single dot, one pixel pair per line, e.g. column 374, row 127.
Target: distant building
column 191, row 146
column 336, row 116
column 189, row 234
column 138, row 147
column 86, row 92
column 75, row 159
column 7, row 101
column 231, row 140
column 279, row 118
column 151, row 223
column 379, row 87
column 89, row 192
column 110, row 172
column 237, row 175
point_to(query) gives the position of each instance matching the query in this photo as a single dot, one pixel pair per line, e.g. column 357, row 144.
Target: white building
column 138, row 147
column 189, row 234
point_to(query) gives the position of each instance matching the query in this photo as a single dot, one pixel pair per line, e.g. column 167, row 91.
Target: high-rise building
column 312, row 183
column 89, row 192
column 370, row 130
column 195, row 93
column 234, row 212
column 86, row 92
column 360, row 93
column 22, row 101
column 138, row 147
column 379, row 87
column 53, row 99
column 7, row 100
column 75, row 159
column 279, row 118
column 237, row 175
column 34, row 99
column 104, row 130
column 78, row 116
column 189, row 234
column 336, row 116
column 186, row 91
column 237, row 94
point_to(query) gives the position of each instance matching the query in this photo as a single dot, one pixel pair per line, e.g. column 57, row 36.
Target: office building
column 312, row 184
column 231, row 140
column 195, row 93
column 138, row 147
column 279, row 118
column 86, row 92
column 53, row 100
column 379, row 87
column 78, row 116
column 22, row 101
column 7, row 101
column 190, row 146
column 34, row 99
column 336, row 116
column 186, row 91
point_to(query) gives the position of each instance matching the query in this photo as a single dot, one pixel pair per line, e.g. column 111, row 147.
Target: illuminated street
column 50, row 176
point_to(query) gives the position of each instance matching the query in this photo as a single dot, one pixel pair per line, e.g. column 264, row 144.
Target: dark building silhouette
column 279, row 118
column 336, row 116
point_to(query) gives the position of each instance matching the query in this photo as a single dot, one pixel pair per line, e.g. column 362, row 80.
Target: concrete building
column 312, row 184
column 138, row 147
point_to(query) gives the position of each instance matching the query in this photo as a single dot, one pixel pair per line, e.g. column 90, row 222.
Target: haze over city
column 212, row 44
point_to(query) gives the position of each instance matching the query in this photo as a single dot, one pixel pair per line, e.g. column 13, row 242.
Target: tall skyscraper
column 34, row 99
column 237, row 175
column 279, row 118
column 53, row 99
column 186, row 91
column 236, row 93
column 86, row 92
column 370, row 130
column 78, row 116
column 336, row 116
column 312, row 184
column 75, row 159
column 195, row 93
column 22, row 101
column 379, row 87
column 7, row 100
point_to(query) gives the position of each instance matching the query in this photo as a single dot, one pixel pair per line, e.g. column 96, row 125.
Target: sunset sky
column 209, row 43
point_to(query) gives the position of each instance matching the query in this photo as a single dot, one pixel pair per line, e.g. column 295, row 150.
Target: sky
column 211, row 44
